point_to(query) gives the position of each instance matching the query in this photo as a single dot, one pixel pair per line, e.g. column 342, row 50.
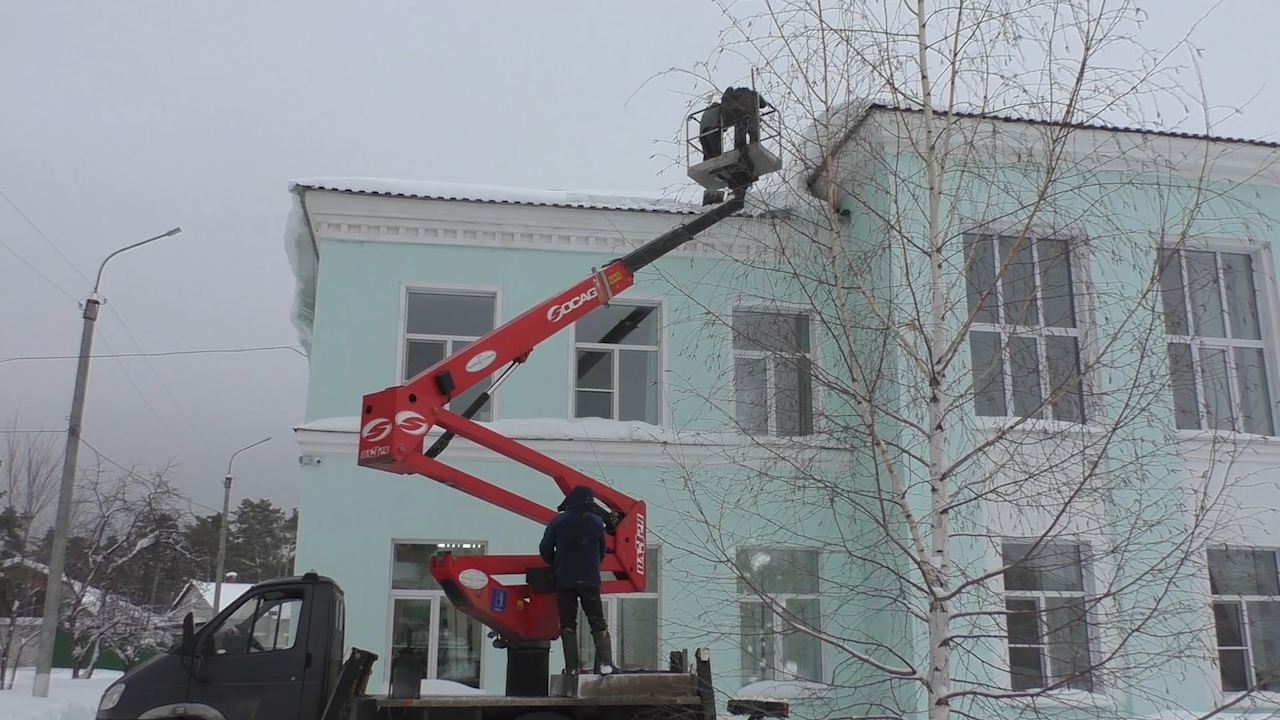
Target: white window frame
column 1265, row 299
column 1082, row 308
column 586, row 645
column 814, row 356
column 1088, row 573
column 404, row 336
column 436, row 597
column 1242, row 601
column 779, row 623
column 659, row 303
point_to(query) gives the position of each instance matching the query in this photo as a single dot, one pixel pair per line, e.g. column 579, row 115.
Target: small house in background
column 22, row 586
column 197, row 598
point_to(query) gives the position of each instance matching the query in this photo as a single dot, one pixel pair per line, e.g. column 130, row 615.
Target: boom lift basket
column 732, row 168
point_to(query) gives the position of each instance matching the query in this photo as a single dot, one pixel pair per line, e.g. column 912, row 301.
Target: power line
column 39, row 274
column 132, row 473
column 101, row 335
column 181, row 410
column 170, row 353
column 29, row 432
column 143, row 396
column 39, row 232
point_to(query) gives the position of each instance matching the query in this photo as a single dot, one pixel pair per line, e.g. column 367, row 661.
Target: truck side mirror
column 189, row 635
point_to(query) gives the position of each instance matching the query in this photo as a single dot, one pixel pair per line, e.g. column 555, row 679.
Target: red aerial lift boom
column 395, row 422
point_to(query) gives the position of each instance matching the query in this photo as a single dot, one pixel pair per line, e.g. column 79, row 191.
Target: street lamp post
column 222, row 529
column 62, row 523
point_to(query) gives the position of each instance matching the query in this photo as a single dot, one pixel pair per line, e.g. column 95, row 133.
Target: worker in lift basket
column 574, row 547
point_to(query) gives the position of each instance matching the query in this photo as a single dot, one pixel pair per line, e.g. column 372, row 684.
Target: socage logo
column 375, row 430
column 640, row 544
column 556, row 312
column 411, row 422
column 378, row 429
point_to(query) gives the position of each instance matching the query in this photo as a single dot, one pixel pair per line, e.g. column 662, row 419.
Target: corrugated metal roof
column 1091, row 126
column 597, row 200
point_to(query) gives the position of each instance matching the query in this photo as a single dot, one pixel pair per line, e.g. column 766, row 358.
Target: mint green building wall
column 1119, row 213
column 350, row 515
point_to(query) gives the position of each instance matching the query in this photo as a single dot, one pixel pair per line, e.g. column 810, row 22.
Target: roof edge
column 626, row 201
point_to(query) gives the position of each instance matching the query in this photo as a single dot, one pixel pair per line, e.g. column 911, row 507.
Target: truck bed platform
column 656, row 688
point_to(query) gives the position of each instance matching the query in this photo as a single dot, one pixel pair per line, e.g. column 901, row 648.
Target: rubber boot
column 570, row 640
column 604, row 652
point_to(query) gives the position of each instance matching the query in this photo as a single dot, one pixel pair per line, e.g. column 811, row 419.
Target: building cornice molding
column 693, row 450
column 336, row 215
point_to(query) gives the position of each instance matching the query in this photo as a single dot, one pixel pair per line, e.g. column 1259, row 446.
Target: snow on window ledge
column 585, row 440
column 1067, row 698
column 1261, row 700
column 1224, row 437
column 593, row 429
column 783, row 690
column 1015, row 426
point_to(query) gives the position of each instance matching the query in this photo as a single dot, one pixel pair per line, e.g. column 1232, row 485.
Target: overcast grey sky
column 121, row 120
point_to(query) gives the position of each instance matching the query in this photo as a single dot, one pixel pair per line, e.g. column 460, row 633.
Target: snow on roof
column 598, row 199
column 206, row 589
column 230, row 591
column 91, row 597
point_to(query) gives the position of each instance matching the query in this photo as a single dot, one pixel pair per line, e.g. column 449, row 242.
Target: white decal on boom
column 640, row 548
column 556, row 312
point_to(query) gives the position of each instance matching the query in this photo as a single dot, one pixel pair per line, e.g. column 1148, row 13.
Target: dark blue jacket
column 574, row 544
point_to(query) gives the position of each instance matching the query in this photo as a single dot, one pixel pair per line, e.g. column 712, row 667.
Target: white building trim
column 336, row 215
column 589, row 442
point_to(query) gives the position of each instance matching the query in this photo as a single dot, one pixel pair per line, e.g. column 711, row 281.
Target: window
column 1246, row 613
column 771, row 647
column 438, row 324
column 1047, row 608
column 618, row 365
column 1025, row 340
column 634, row 623
column 772, row 376
column 1217, row 362
column 264, row 623
column 424, row 619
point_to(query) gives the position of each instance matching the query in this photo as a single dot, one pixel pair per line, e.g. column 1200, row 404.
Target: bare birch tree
column 956, row 349
column 117, row 516
column 31, row 466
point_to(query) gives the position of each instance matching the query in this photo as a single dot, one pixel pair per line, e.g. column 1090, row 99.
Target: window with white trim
column 1246, row 614
column 1217, row 343
column 634, row 621
column 1025, row 338
column 439, row 323
column 772, row 648
column 772, row 373
column 618, row 363
column 423, row 618
column 1048, row 616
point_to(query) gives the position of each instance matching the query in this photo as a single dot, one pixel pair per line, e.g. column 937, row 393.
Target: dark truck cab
column 276, row 653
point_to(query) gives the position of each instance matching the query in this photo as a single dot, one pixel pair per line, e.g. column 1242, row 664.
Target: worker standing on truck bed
column 574, row 547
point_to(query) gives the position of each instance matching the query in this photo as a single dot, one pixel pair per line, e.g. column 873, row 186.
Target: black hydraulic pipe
column 663, row 244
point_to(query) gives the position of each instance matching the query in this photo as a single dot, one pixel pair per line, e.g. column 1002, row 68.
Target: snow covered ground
column 68, row 699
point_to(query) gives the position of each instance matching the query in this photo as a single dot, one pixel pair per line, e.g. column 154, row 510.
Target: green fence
column 107, row 660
